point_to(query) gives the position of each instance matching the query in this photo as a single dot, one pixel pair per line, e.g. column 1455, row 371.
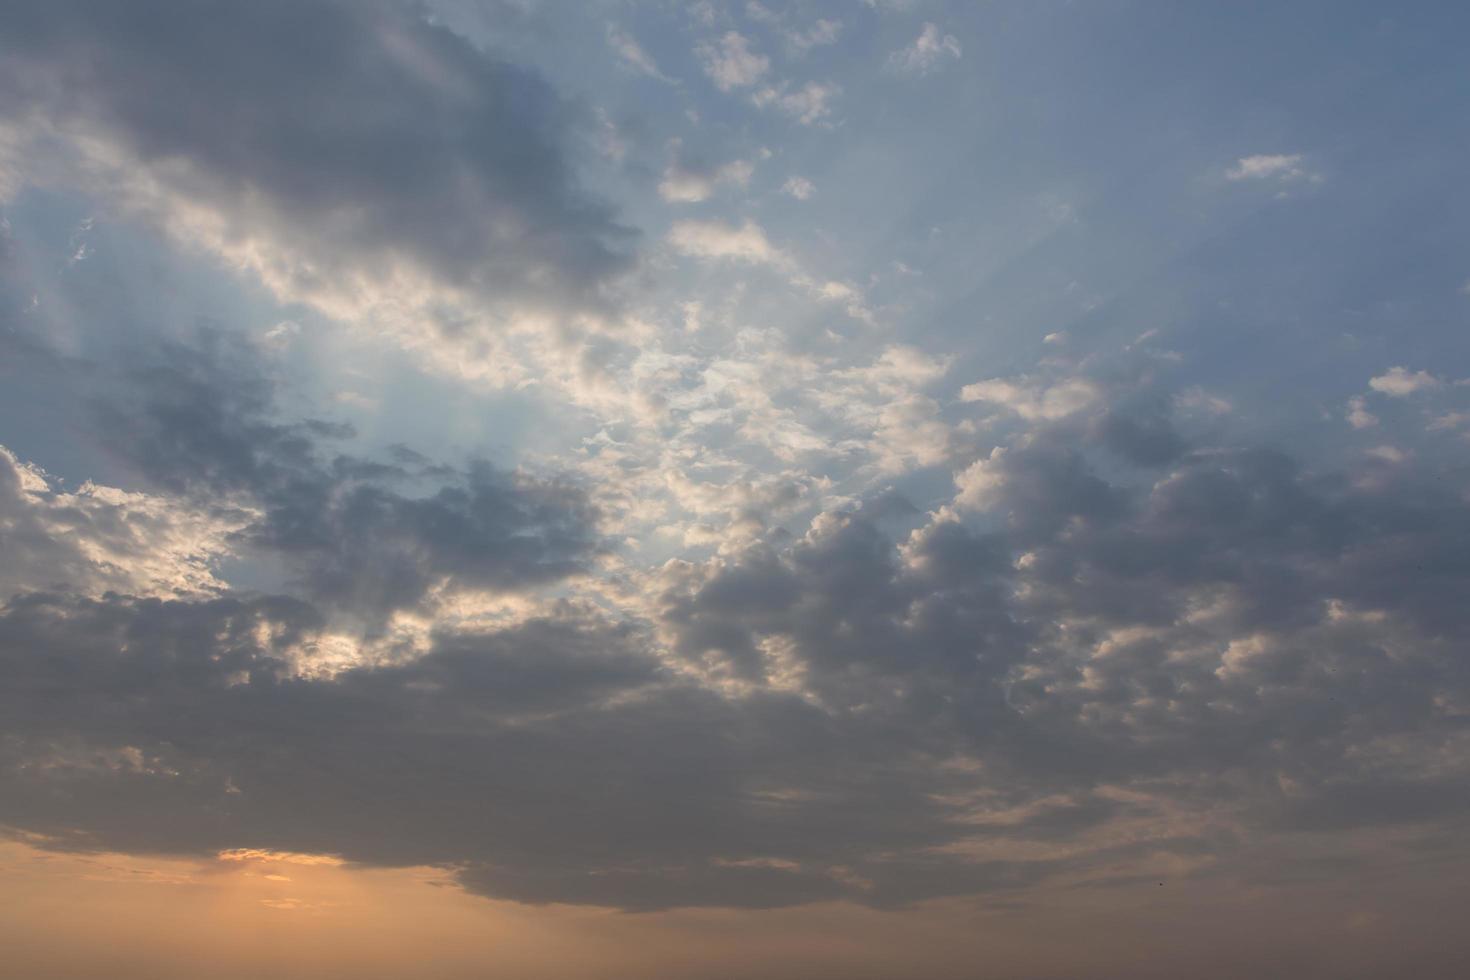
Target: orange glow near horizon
column 258, row 913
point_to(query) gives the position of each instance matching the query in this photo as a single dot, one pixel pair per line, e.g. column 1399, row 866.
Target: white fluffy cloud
column 1400, row 382
column 980, row 485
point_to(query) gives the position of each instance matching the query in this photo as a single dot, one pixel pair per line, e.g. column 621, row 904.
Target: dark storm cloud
column 357, row 134
column 198, row 422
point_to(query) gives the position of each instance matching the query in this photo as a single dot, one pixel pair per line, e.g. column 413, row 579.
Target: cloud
column 628, row 48
column 690, row 182
column 481, row 719
column 980, row 484
column 760, row 13
column 730, row 63
column 100, row 539
column 1196, row 399
column 927, row 52
column 1268, row 166
column 1400, row 382
column 808, row 105
column 388, row 159
column 362, row 535
column 1033, row 400
column 798, row 187
column 1113, row 674
column 799, row 41
column 1358, row 415
column 871, row 634
column 1449, row 421
column 1387, row 454
column 821, row 33
column 1144, row 436
column 746, row 242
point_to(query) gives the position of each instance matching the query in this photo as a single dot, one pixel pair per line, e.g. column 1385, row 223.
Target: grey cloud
column 355, row 134
column 194, row 426
column 1048, row 483
column 1245, row 616
column 852, row 607
column 1235, row 625
column 553, row 762
column 1145, row 438
column 730, row 886
column 198, row 422
column 1235, row 644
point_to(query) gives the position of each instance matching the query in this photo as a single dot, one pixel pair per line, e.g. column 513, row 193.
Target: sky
column 734, row 489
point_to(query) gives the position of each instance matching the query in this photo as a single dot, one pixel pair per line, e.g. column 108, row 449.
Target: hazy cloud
column 799, row 188
column 730, row 63
column 632, row 52
column 808, row 104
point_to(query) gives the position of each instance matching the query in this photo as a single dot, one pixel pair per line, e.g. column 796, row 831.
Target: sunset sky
column 873, row 489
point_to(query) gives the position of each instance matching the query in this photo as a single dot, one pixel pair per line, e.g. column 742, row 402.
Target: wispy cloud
column 927, row 52
column 799, row 188
column 809, row 104
column 632, row 53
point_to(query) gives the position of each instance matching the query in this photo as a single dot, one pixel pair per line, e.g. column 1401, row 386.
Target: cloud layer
column 960, row 491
